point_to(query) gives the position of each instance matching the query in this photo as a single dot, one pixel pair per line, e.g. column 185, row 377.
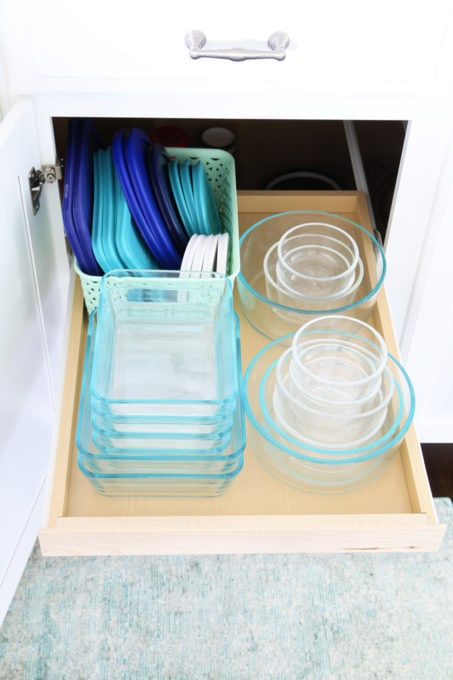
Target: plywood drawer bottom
column 257, row 513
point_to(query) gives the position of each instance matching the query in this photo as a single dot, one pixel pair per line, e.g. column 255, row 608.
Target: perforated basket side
column 220, row 169
column 90, row 288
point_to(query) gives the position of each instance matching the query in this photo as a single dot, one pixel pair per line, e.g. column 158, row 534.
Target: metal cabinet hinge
column 48, row 174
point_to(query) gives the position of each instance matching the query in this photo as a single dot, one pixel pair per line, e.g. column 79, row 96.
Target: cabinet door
column 337, row 49
column 26, row 401
column 429, row 326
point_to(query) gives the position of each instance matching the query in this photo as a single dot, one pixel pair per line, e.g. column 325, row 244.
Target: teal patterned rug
column 282, row 617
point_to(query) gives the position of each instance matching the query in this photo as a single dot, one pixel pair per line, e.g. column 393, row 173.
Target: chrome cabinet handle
column 277, row 43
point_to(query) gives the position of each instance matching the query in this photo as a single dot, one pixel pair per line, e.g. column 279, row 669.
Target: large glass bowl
column 311, row 468
column 274, row 319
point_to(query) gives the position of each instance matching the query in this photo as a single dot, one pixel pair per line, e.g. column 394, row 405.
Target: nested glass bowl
column 316, row 259
column 275, row 319
column 317, row 469
column 277, row 290
column 335, row 424
column 339, row 357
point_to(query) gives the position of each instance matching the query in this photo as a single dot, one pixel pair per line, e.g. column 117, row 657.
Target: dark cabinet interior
column 289, row 154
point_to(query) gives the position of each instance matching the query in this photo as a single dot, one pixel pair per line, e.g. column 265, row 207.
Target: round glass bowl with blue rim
column 268, row 314
column 312, row 468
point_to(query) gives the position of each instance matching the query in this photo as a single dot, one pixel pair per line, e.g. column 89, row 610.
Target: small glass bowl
column 316, row 259
column 339, row 356
column 322, row 424
column 277, row 291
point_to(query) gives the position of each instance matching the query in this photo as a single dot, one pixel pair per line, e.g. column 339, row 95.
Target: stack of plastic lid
column 161, row 410
column 117, row 243
column 194, row 197
column 132, row 205
column 141, row 170
column 77, row 203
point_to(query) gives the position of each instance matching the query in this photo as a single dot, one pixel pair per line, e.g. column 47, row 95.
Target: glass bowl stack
column 328, row 413
column 301, row 264
column 162, row 410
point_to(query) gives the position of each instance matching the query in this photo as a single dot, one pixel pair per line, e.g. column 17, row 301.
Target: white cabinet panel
column 26, row 400
column 26, row 148
column 343, row 48
column 429, row 333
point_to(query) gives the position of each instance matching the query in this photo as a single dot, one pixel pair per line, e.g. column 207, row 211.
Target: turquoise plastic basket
column 221, row 172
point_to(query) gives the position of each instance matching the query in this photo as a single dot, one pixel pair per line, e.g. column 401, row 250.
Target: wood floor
column 439, row 466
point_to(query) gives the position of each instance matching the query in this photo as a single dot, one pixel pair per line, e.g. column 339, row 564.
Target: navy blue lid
column 157, row 161
column 78, row 192
column 82, row 207
column 156, row 235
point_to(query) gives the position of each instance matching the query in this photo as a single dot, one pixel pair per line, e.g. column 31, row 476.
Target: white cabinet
column 27, row 397
column 396, row 49
column 94, row 59
column 429, row 327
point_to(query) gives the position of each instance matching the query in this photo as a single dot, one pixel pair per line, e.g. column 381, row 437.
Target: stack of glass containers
column 161, row 410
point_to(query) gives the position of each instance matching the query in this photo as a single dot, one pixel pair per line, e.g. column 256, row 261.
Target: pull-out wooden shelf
column 257, row 513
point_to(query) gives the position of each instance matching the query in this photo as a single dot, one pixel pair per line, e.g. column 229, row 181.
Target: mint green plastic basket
column 221, row 172
column 90, row 288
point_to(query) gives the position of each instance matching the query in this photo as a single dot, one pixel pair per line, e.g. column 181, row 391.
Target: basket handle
column 277, row 43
